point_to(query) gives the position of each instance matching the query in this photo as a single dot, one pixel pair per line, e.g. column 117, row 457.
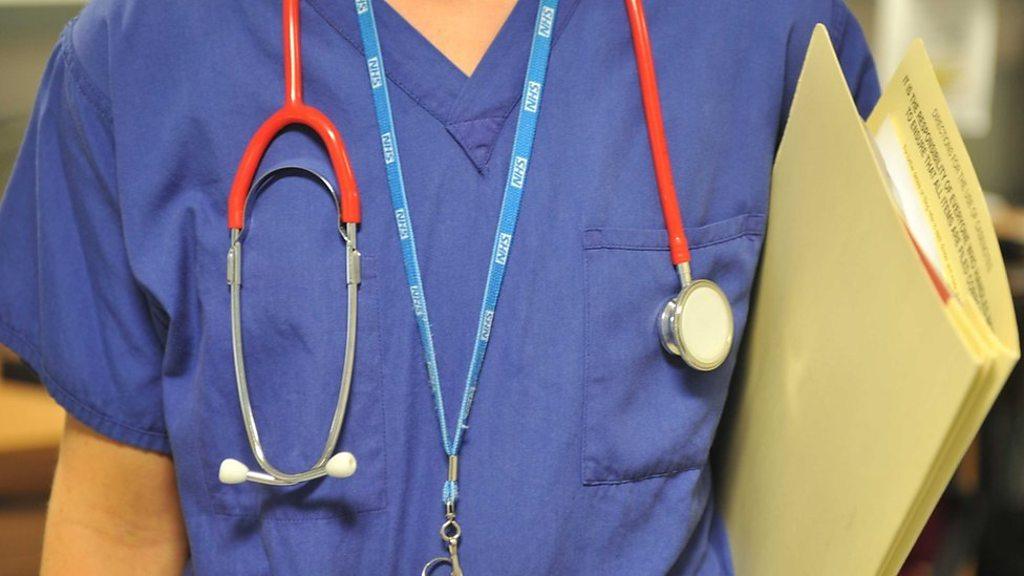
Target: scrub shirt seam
column 585, row 411
column 296, row 518
column 80, row 77
column 502, row 123
column 651, row 476
column 840, row 18
column 471, row 120
column 101, row 103
column 624, row 246
column 584, row 461
column 333, row 515
column 301, row 519
column 750, row 227
column 87, row 152
column 101, row 422
column 514, row 104
column 419, row 102
column 409, row 92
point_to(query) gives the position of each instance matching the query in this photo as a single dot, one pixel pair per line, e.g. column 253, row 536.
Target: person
column 587, row 451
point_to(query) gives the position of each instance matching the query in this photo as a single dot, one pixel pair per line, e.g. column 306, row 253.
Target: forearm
column 114, row 510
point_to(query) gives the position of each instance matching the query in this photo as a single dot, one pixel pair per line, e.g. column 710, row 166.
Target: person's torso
column 587, row 451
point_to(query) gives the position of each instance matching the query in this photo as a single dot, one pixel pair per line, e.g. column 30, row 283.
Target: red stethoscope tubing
column 294, row 112
column 678, row 245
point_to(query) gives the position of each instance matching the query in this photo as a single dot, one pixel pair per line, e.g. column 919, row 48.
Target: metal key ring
column 434, row 564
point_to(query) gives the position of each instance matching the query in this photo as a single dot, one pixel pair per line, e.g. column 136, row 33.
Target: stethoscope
column 696, row 324
column 243, row 188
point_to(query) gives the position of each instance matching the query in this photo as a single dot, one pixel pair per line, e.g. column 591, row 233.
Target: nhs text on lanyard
column 522, row 150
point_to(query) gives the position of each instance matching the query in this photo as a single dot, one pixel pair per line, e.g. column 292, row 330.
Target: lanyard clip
column 451, row 527
column 450, row 534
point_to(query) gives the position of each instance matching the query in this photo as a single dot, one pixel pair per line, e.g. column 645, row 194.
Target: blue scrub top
column 588, row 447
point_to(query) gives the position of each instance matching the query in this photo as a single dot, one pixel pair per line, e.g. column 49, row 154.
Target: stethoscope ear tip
column 341, row 465
column 232, row 471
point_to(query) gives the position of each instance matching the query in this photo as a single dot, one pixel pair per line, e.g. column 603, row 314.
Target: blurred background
column 30, row 423
column 978, row 49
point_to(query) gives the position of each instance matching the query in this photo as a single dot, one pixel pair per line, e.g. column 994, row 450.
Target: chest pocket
column 293, row 301
column 646, row 414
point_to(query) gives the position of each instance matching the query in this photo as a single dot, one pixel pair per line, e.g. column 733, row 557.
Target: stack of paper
column 882, row 331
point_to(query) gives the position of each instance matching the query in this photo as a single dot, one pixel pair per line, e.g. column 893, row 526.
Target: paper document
column 865, row 374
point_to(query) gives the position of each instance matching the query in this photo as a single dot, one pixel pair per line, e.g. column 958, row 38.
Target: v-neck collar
column 473, row 109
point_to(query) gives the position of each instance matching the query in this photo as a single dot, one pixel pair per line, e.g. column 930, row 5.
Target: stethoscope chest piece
column 697, row 325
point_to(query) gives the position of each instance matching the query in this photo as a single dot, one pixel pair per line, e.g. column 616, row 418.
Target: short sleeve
column 69, row 303
column 854, row 56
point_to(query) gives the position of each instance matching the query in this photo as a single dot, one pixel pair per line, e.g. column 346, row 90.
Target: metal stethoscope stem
column 293, row 112
column 338, row 465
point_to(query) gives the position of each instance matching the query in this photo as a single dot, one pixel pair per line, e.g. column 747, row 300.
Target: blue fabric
column 511, row 203
column 588, row 447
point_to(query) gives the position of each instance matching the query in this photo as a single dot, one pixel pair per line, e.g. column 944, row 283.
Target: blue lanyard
column 522, row 150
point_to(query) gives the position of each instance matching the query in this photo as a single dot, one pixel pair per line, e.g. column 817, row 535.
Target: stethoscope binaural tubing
column 293, row 112
column 329, row 463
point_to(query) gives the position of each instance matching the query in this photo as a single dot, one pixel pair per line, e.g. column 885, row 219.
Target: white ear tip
column 341, row 465
column 232, row 471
